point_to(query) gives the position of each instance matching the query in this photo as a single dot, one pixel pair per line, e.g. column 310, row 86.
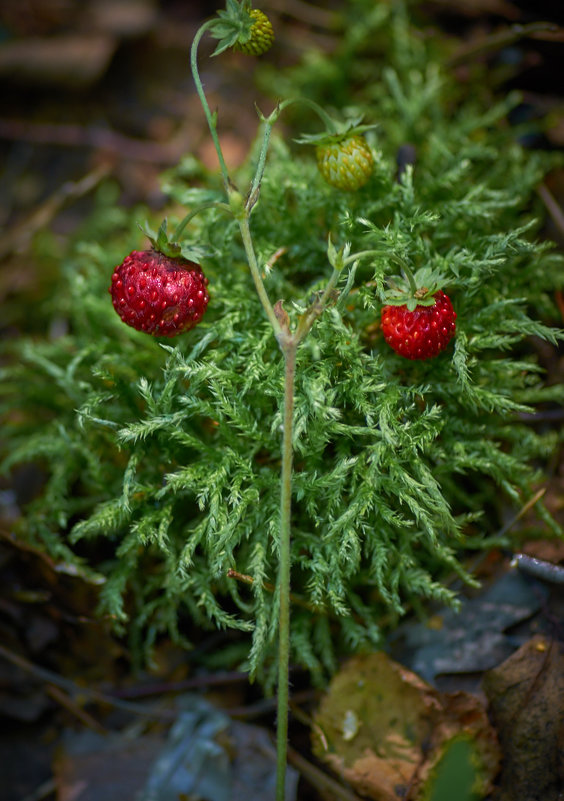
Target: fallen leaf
column 526, row 694
column 386, row 731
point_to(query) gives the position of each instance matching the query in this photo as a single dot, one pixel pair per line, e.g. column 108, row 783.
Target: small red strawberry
column 346, row 163
column 423, row 332
column 158, row 294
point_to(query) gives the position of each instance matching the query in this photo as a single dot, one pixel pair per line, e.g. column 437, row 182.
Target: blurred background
column 92, row 87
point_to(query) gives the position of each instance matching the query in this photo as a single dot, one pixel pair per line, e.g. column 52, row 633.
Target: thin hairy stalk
column 290, row 350
column 255, row 185
column 269, row 124
column 289, row 343
column 255, row 272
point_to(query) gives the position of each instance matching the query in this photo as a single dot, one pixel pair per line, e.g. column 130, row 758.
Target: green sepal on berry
column 243, row 28
column 165, row 243
column 418, row 320
column 344, row 157
column 412, row 290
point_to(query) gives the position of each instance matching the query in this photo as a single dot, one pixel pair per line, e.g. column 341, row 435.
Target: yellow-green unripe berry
column 262, row 35
column 346, row 164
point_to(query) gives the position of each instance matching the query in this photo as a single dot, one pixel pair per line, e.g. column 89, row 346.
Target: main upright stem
column 289, row 351
column 288, row 343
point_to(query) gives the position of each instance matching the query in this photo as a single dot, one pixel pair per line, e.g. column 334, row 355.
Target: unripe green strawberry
column 159, row 295
column 422, row 333
column 262, row 35
column 346, row 164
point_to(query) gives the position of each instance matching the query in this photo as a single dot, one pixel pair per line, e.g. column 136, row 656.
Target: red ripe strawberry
column 160, row 295
column 422, row 333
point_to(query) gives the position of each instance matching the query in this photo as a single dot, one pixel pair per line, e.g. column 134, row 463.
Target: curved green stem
column 410, row 277
column 200, row 89
column 362, row 254
column 398, row 259
column 321, row 113
column 178, row 231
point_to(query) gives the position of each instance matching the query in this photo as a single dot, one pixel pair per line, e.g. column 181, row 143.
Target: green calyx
column 336, row 131
column 413, row 289
column 166, row 244
column 236, row 27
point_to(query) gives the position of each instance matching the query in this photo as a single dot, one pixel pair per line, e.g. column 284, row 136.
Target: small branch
column 67, row 135
column 255, row 185
column 552, row 206
column 328, row 121
column 51, row 678
column 496, row 41
column 179, row 230
column 316, row 309
column 195, row 683
column 320, row 780
column 18, row 239
column 45, row 789
column 71, row 706
column 522, row 512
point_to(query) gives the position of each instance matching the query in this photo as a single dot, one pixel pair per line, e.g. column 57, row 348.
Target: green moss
column 163, row 459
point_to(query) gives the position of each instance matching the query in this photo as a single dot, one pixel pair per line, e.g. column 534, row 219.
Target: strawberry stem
column 410, row 277
column 319, row 110
column 179, row 230
column 211, row 119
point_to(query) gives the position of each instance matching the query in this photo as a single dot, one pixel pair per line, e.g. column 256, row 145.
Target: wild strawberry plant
column 279, row 435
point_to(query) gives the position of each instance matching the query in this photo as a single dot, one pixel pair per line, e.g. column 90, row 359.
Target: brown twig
column 308, row 721
column 196, row 683
column 69, row 135
column 45, row 789
column 503, row 38
column 552, row 206
column 18, row 239
column 267, row 705
column 49, row 677
column 295, row 599
column 75, row 709
column 320, row 780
